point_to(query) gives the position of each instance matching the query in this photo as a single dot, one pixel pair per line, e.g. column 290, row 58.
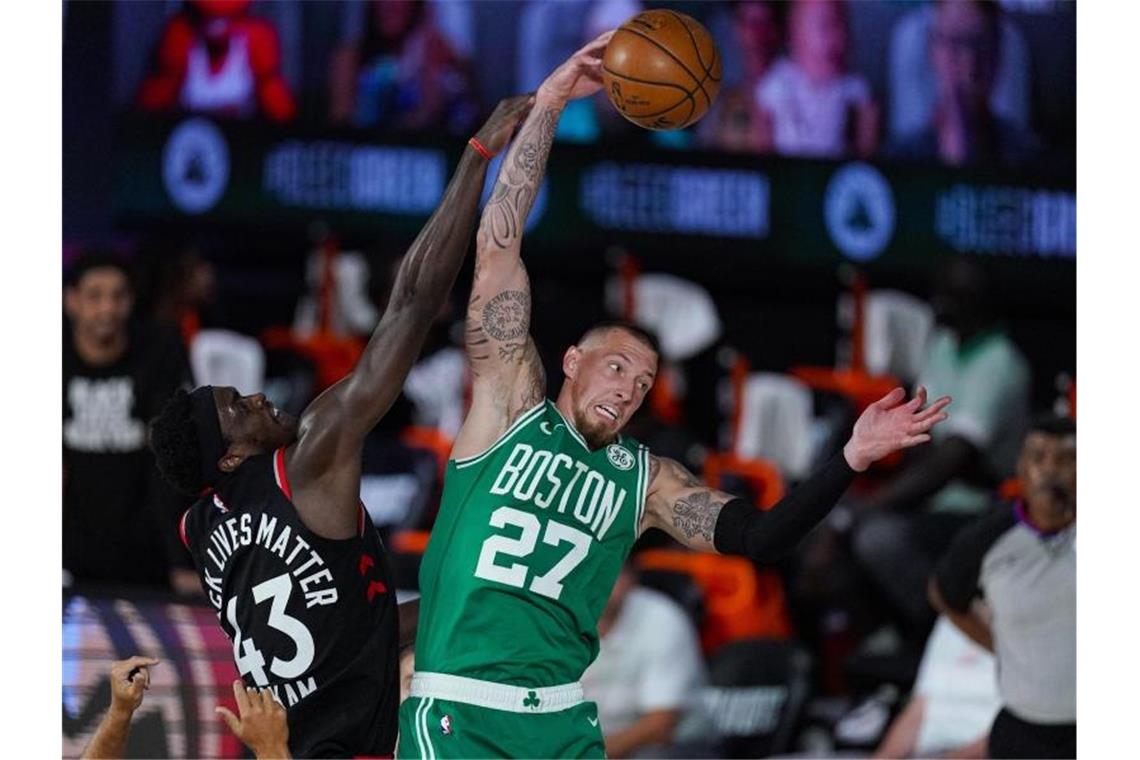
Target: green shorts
column 435, row 724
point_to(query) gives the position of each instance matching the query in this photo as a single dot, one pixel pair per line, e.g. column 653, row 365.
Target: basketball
column 662, row 70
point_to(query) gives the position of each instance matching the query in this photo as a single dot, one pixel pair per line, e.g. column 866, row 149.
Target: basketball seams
column 688, row 94
column 669, row 53
column 693, row 39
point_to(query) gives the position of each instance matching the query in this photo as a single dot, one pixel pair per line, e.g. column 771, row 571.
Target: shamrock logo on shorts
column 531, row 700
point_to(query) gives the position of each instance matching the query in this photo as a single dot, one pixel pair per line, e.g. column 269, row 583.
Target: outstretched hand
column 580, row 75
column 500, row 125
column 890, row 424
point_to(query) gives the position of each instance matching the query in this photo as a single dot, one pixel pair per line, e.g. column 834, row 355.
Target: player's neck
column 99, row 352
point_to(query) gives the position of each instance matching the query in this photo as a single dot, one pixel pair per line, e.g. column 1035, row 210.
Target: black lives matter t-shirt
column 119, row 516
column 313, row 619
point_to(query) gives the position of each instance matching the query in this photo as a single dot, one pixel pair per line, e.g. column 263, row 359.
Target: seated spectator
column 648, row 671
column 953, row 703
column 401, row 74
column 963, row 130
column 736, row 122
column 1023, row 560
column 907, row 523
column 130, row 679
column 215, row 58
column 912, row 80
column 817, row 106
column 120, row 520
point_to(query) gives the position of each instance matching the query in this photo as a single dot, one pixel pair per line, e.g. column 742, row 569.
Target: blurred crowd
column 938, row 82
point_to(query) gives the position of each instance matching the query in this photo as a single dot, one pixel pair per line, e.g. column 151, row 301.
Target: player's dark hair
column 96, row 259
column 174, row 441
column 645, row 336
column 1053, row 424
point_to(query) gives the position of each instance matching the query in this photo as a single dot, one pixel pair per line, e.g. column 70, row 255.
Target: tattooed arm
column 508, row 377
column 709, row 520
column 681, row 505
column 324, row 463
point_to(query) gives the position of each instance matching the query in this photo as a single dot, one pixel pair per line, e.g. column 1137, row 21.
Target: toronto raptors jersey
column 312, row 619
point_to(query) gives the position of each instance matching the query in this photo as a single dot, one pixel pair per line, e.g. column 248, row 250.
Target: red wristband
column 478, row 146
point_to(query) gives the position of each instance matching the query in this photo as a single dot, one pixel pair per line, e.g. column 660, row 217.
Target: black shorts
column 1011, row 736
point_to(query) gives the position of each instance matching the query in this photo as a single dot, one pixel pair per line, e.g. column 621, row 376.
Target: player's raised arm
column 508, row 377
column 325, row 463
column 706, row 519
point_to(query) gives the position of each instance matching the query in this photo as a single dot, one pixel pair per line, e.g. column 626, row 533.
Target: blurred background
column 884, row 193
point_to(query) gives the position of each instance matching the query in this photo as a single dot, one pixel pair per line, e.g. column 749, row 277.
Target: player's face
column 253, row 421
column 100, row 304
column 1048, row 473
column 609, row 378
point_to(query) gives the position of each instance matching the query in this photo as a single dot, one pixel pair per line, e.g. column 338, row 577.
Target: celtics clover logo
column 532, row 701
column 619, row 457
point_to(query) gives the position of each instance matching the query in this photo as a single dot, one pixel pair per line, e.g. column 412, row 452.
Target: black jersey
column 313, row 619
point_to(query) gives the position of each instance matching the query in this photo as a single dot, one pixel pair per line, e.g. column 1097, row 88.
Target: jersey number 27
column 515, row 574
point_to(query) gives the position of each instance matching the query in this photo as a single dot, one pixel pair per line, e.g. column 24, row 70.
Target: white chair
column 222, row 357
column 777, row 423
column 680, row 313
column 896, row 326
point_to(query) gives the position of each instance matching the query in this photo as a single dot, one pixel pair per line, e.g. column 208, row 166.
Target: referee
column 1022, row 560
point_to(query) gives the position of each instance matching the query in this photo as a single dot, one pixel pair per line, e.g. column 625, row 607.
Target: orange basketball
column 662, row 70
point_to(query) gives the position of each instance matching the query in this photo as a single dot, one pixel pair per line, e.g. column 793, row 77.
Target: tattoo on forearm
column 686, row 478
column 696, row 513
column 506, row 317
column 517, row 183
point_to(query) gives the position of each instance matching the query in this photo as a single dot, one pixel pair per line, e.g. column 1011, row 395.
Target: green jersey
column 529, row 541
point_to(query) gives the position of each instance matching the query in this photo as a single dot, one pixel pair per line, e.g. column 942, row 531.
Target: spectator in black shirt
column 116, row 375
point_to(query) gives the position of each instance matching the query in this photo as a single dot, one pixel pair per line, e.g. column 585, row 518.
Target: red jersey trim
column 279, row 473
column 182, row 529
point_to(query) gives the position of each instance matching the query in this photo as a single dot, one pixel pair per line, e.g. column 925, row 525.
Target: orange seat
column 761, row 475
column 410, row 541
column 429, row 439
column 740, row 603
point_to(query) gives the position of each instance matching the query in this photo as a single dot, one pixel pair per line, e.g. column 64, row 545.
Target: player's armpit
column 681, row 505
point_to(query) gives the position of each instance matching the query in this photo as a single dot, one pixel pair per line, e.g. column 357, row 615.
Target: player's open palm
column 892, row 423
column 581, row 74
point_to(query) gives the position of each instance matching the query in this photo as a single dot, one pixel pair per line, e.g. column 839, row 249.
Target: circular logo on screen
column 859, row 209
column 195, row 166
column 619, row 457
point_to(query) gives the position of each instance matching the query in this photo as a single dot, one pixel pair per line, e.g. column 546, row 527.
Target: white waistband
column 496, row 696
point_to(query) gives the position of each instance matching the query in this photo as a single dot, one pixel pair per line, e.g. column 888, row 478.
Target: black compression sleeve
column 767, row 536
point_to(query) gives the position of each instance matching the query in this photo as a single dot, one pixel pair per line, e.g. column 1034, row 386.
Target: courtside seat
column 756, row 695
column 681, row 587
column 224, row 357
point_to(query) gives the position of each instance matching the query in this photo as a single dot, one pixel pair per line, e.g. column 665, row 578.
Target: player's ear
column 570, row 361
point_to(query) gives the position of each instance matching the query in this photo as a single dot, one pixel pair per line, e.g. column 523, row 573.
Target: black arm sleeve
column 767, row 536
column 959, row 571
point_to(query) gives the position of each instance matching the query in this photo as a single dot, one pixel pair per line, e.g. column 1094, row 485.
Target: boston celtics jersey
column 530, row 538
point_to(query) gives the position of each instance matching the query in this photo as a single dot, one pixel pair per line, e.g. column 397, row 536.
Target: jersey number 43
column 248, row 658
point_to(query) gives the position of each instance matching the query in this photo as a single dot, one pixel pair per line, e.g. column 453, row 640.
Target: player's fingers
column 240, row 696
column 919, row 399
column 923, row 425
column 936, row 407
column 890, row 400
column 230, row 719
column 915, row 440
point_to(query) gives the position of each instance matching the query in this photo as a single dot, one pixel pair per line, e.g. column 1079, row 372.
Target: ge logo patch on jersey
column 619, row 457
